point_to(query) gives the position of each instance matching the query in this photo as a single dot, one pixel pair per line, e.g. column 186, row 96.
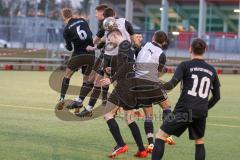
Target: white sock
column 78, row 99
column 89, row 108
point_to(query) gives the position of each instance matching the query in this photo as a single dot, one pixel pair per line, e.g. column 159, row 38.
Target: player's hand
column 108, row 70
column 105, row 82
column 90, row 48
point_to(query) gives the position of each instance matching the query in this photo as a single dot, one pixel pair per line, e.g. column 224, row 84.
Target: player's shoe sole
column 74, row 104
column 84, row 113
column 141, row 154
column 118, row 150
column 60, row 105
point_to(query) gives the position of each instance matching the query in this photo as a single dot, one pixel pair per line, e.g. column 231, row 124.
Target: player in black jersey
column 121, row 96
column 94, row 77
column 198, row 79
column 107, row 54
column 77, row 36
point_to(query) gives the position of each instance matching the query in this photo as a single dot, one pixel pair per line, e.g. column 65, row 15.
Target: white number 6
column 81, row 33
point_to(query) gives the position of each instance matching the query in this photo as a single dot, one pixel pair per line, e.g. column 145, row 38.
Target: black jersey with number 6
column 198, row 79
column 78, row 33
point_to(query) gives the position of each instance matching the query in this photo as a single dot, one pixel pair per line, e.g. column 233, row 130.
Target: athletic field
column 30, row 130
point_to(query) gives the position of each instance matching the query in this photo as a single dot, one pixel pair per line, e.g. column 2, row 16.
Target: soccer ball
column 109, row 23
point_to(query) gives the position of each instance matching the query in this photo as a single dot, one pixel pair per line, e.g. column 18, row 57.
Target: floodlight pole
column 92, row 19
column 35, row 27
column 202, row 18
column 164, row 15
column 129, row 10
column 239, row 22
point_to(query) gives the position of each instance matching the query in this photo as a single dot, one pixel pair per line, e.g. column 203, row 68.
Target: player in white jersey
column 149, row 62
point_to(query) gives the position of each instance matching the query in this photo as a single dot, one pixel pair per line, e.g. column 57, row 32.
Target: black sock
column 200, row 152
column 94, row 96
column 148, row 127
column 137, row 135
column 165, row 113
column 114, row 129
column 105, row 92
column 85, row 89
column 158, row 149
column 65, row 84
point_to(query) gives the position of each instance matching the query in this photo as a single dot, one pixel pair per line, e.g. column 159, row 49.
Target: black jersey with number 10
column 198, row 79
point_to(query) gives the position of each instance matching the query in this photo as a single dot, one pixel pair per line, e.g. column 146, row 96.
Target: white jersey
column 147, row 62
column 121, row 26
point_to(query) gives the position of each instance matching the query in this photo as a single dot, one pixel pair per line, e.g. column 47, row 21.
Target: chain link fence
column 43, row 33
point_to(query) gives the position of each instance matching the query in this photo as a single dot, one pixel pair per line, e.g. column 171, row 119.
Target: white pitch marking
column 46, row 109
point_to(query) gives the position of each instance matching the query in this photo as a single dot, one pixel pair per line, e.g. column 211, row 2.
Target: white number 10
column 205, row 83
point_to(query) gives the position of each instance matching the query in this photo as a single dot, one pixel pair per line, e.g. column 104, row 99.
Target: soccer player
column 149, row 63
column 128, row 33
column 198, row 78
column 78, row 36
column 95, row 76
column 121, row 95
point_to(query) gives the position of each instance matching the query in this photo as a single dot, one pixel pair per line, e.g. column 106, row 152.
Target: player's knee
column 199, row 141
column 128, row 117
column 165, row 104
column 108, row 116
column 162, row 135
column 129, row 120
column 148, row 118
column 68, row 73
column 97, row 83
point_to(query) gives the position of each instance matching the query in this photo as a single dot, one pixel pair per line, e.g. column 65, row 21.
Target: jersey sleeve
column 177, row 77
column 101, row 32
column 122, row 58
column 216, row 82
column 129, row 28
column 67, row 39
column 215, row 92
column 162, row 62
column 101, row 45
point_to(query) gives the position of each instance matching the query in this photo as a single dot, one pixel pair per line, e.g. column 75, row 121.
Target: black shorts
column 98, row 66
column 85, row 62
column 122, row 96
column 102, row 62
column 178, row 122
column 148, row 92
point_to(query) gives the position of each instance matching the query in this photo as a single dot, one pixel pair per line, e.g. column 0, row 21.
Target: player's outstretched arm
column 215, row 93
column 162, row 62
column 177, row 77
column 67, row 39
column 215, row 98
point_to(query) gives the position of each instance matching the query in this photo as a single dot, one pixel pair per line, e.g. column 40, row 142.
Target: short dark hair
column 115, row 30
column 198, row 46
column 160, row 37
column 67, row 13
column 101, row 7
column 108, row 12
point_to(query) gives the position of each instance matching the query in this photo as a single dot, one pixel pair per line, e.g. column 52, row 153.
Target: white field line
column 222, row 125
column 52, row 109
column 26, row 107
